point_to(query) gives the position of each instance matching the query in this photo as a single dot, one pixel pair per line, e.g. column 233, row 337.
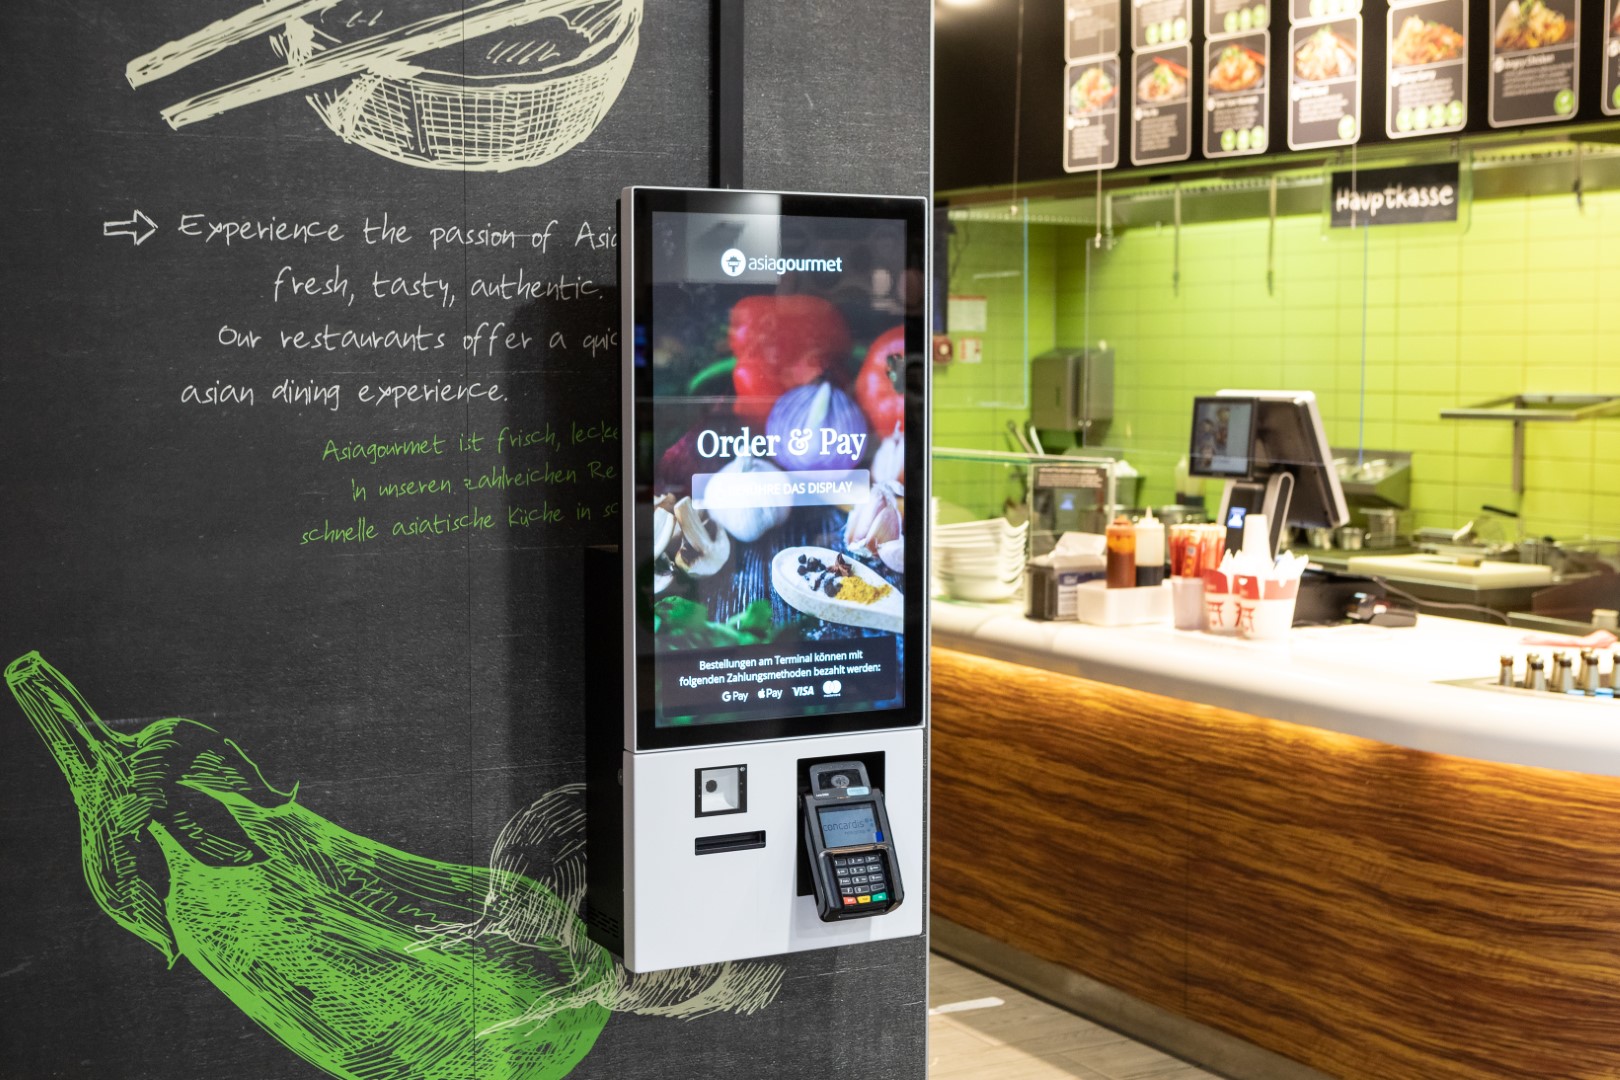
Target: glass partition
column 1203, row 284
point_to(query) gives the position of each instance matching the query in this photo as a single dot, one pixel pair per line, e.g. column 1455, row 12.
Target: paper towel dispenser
column 1071, row 389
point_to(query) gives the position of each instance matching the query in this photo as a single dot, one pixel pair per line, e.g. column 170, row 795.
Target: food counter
column 1392, row 684
column 1312, row 845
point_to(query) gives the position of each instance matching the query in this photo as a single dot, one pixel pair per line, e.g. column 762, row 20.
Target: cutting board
column 1440, row 570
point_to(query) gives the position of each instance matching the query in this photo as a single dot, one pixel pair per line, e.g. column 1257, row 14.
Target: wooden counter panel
column 1050, row 833
column 1371, row 911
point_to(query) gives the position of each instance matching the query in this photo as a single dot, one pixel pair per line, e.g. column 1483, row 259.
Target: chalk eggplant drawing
column 489, row 86
column 366, row 961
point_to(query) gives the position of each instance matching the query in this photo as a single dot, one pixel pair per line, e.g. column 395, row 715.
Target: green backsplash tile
column 1441, row 261
column 1485, row 438
column 1476, row 349
column 1606, row 444
column 1492, row 277
column 1427, row 350
column 1562, row 285
column 1551, row 475
column 1559, row 217
column 1481, row 382
column 1479, row 471
column 1432, row 434
column 1376, row 433
column 1412, row 377
column 1605, row 520
column 1500, row 319
column 1562, row 442
column 1437, row 467
column 1435, row 494
column 1556, row 374
column 1572, row 510
column 1561, row 317
column 1376, row 320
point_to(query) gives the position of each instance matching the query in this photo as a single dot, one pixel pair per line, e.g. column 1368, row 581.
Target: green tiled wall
column 1527, row 299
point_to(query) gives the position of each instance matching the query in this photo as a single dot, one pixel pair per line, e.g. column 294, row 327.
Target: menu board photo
column 1160, row 22
column 1091, row 121
column 1223, row 18
column 1091, row 29
column 1161, row 128
column 1237, row 55
column 1324, row 81
column 1426, row 90
column 1611, row 61
column 1535, row 54
column 1303, row 11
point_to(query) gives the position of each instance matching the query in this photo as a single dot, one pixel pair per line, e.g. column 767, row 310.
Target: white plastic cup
column 1266, row 619
column 1257, row 538
column 1187, row 603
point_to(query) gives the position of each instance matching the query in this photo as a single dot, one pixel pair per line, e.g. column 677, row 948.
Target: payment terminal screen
column 777, row 578
column 847, row 826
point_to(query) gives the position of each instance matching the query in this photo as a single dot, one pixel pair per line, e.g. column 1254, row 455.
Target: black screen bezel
column 913, row 213
column 1254, row 437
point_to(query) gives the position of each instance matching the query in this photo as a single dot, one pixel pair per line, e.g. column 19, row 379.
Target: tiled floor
column 1023, row 1038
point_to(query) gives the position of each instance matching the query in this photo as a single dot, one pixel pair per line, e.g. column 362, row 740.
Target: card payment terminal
column 846, row 829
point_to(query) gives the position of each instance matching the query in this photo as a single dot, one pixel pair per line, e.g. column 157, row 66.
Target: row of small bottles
column 1561, row 677
column 1135, row 552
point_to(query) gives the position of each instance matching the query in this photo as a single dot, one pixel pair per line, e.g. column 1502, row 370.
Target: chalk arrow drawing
column 138, row 228
column 366, row 961
column 501, row 84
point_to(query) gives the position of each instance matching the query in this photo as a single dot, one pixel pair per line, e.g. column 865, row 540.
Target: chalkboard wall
column 309, row 390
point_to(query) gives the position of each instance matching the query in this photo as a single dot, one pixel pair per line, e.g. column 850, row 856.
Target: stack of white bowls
column 980, row 560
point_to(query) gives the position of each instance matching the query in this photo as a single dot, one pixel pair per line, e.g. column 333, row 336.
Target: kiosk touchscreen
column 771, row 572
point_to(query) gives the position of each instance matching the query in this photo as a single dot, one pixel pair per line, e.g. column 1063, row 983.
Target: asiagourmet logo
column 734, row 262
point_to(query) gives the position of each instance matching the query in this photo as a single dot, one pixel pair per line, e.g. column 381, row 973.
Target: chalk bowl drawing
column 366, row 961
column 498, row 85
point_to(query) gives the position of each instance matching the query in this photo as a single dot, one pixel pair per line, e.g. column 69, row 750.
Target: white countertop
column 1383, row 683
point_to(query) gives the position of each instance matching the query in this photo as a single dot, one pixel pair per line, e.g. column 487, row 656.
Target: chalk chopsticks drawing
column 497, row 85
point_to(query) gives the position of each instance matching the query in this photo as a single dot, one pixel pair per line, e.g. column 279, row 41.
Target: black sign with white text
column 1416, row 194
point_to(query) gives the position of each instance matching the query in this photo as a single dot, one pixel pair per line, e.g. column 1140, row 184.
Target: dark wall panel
column 837, row 96
column 372, row 708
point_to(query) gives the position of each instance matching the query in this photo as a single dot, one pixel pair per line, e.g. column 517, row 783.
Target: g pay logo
column 733, row 262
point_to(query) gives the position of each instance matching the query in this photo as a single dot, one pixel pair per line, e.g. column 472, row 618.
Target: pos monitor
column 1272, row 450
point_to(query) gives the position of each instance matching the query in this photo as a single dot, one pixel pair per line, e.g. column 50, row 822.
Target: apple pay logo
column 733, row 262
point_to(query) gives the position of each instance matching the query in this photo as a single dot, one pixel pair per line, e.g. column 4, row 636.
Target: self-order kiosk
column 757, row 648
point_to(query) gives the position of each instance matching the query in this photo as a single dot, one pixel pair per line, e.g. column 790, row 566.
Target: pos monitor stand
column 1270, row 497
column 763, row 617
column 1271, row 449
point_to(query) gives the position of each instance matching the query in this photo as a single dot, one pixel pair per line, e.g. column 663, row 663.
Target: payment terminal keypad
column 862, row 878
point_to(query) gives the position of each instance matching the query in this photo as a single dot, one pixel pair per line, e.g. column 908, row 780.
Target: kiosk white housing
column 757, row 734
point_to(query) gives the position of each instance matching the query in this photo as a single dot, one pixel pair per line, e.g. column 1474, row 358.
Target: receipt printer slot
column 737, row 841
